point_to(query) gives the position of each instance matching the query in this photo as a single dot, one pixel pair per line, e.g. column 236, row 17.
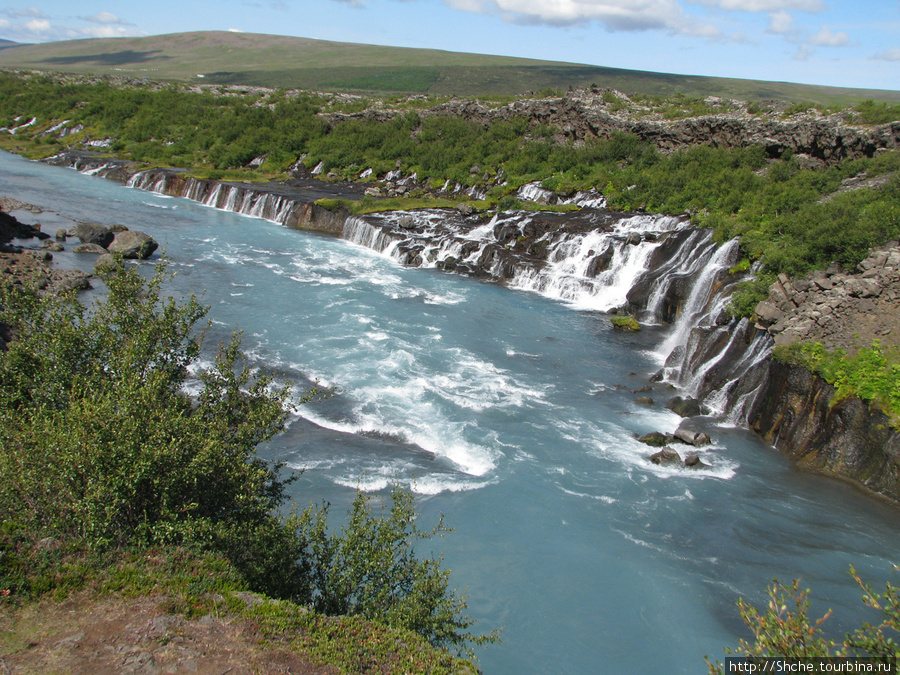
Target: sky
column 844, row 43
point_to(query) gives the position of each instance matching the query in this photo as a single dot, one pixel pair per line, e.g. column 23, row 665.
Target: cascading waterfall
column 697, row 308
column 589, row 263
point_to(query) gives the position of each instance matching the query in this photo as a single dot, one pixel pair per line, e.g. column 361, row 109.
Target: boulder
column 61, row 235
column 693, row 461
column 104, row 262
column 684, row 407
column 656, row 439
column 88, row 248
column 133, row 244
column 767, row 314
column 92, row 233
column 644, row 400
column 687, row 434
column 665, row 457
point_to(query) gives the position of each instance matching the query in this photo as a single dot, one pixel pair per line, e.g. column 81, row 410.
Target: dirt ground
column 100, row 637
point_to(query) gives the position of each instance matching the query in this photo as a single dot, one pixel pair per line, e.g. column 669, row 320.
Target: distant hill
column 8, row 43
column 292, row 62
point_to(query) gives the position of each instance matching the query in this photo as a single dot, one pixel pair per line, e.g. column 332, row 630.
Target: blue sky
column 848, row 43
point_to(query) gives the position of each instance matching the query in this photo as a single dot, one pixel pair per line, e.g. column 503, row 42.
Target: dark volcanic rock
column 686, row 433
column 133, row 244
column 665, row 457
column 799, row 414
column 92, row 233
column 656, row 439
column 693, row 461
column 684, row 407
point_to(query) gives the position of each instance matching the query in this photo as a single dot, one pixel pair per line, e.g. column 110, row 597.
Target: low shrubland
column 106, row 458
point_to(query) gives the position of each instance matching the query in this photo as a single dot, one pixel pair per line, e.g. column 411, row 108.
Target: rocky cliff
column 593, row 112
column 800, row 415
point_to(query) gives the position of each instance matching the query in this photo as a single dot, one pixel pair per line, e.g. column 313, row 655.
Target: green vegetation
column 872, row 374
column 627, row 323
column 785, row 628
column 104, row 455
column 790, row 217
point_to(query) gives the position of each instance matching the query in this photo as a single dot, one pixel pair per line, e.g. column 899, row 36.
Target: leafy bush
column 102, row 451
column 872, row 374
column 785, row 629
column 371, row 569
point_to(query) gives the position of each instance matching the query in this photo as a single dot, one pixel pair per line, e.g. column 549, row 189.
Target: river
column 513, row 414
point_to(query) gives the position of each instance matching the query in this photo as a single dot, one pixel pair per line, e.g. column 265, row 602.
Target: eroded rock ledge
column 848, row 439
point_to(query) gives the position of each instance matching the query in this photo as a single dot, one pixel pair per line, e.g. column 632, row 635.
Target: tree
column 371, row 569
column 102, row 449
column 100, row 444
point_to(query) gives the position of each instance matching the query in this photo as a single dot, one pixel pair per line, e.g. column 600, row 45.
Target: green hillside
column 293, row 62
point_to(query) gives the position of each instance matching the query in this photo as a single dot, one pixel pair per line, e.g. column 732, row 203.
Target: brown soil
column 83, row 635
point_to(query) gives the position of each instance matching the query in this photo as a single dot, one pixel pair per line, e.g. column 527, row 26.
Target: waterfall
column 592, row 259
column 697, row 306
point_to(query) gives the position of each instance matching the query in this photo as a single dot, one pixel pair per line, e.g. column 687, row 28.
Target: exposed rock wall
column 797, row 412
column 584, row 113
column 839, row 309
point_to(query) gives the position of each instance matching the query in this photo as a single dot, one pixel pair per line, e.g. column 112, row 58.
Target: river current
column 514, row 416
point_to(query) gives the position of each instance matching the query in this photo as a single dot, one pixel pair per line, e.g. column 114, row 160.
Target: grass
column 193, row 584
column 271, row 60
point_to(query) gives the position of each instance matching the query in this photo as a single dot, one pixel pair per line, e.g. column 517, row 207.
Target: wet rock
column 684, row 407
column 666, row 457
column 656, row 439
column 686, row 433
column 644, row 400
column 693, row 461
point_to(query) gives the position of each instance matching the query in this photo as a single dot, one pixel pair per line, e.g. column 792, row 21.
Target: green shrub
column 102, row 451
column 371, row 569
column 784, row 628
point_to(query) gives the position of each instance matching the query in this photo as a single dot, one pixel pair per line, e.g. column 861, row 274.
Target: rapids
column 510, row 409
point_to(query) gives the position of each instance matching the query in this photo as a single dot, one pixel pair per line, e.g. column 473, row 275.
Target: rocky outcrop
column 837, row 308
column 589, row 113
column 800, row 415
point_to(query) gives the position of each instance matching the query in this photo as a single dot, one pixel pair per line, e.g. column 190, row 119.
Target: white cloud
column 37, row 26
column 625, row 15
column 825, row 38
column 780, row 22
column 766, row 5
column 803, row 53
column 892, row 54
column 105, row 18
column 4, row 23
column 33, row 12
column 100, row 32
